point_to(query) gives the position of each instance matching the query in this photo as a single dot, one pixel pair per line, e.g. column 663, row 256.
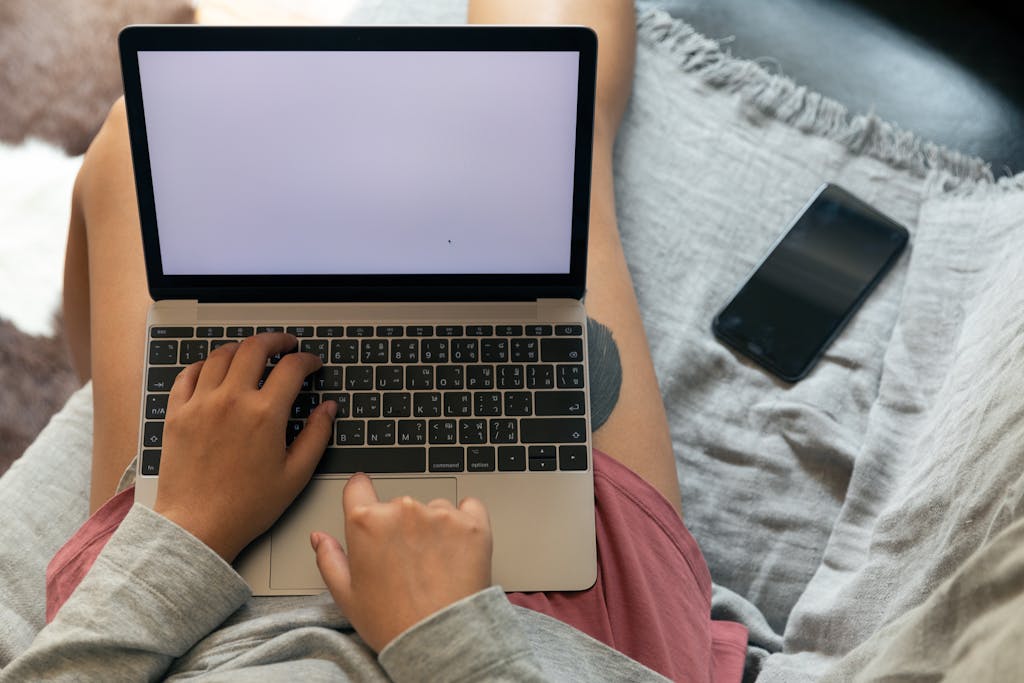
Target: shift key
column 555, row 430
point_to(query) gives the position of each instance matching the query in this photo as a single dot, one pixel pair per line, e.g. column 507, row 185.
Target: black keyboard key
column 511, row 458
column 494, row 350
column 390, row 331
column 464, row 351
column 330, row 331
column 458, row 404
column 381, row 460
column 569, row 376
column 161, row 379
column 480, row 459
column 359, row 331
column 540, row 377
column 553, row 430
column 209, row 332
column 479, row 330
column 503, row 431
column 446, row 459
column 479, row 377
column 426, row 404
column 449, row 331
column 304, row 405
column 434, row 351
column 317, row 347
column 380, row 433
column 301, row 330
column 389, row 377
column 343, row 403
column 572, row 457
column 240, row 331
column 420, row 330
column 569, row 330
column 263, row 378
column 349, row 433
column 373, row 351
column 193, row 350
column 542, row 458
column 508, row 330
column 419, row 377
column 412, row 432
column 472, row 431
column 292, row 431
column 561, row 350
column 308, row 382
column 487, row 403
column 163, row 352
column 150, row 465
column 396, row 405
column 449, row 377
column 329, row 378
column 538, row 330
column 170, row 332
column 156, row 406
column 260, row 329
column 217, row 343
column 510, row 376
column 405, row 351
column 366, row 405
column 153, row 435
column 442, row 431
column 358, row 378
column 560, row 403
column 524, row 350
column 518, row 403
column 344, row 351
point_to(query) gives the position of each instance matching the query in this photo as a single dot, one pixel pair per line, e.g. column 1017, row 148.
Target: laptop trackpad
column 292, row 563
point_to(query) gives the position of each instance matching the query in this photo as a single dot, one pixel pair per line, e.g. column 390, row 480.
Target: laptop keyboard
column 414, row 398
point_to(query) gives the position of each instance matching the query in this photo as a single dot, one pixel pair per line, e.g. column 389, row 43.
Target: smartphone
column 811, row 283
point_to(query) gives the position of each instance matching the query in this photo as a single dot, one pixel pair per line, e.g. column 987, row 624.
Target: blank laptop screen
column 284, row 162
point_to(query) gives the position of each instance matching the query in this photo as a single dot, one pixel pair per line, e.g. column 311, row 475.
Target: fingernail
column 332, row 408
column 314, row 540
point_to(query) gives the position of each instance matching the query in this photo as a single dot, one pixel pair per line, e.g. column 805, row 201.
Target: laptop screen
column 361, row 162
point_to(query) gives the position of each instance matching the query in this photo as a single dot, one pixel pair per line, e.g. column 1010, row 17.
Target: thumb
column 308, row 447
column 333, row 565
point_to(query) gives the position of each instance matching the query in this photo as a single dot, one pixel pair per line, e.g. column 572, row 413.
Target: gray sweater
column 158, row 603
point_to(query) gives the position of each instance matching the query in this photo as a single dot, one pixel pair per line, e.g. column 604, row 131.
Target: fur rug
column 59, row 75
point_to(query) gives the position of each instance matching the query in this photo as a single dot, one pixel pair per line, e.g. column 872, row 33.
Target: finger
column 251, row 360
column 285, row 380
column 441, row 504
column 358, row 491
column 333, row 565
column 215, row 367
column 308, row 447
column 184, row 385
column 475, row 508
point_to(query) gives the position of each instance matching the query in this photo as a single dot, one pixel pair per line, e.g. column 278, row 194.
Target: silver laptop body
column 412, row 203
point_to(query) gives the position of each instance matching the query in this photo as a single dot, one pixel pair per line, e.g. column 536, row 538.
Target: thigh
column 118, row 300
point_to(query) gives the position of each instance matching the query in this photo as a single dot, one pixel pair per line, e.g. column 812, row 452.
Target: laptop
column 412, row 204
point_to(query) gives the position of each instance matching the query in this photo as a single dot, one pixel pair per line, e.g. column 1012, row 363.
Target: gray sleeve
column 154, row 591
column 475, row 639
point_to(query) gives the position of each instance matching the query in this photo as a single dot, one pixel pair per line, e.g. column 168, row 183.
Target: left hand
column 225, row 475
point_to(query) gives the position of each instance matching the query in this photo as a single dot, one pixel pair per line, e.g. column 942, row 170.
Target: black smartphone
column 811, row 283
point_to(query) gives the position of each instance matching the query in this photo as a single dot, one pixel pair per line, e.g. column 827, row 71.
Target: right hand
column 405, row 560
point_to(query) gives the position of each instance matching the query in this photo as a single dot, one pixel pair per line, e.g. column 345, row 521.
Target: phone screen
column 811, row 283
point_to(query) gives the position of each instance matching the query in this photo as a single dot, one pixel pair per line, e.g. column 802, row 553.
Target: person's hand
column 405, row 560
column 225, row 475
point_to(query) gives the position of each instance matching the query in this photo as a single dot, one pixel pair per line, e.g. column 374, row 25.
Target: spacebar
column 349, row 460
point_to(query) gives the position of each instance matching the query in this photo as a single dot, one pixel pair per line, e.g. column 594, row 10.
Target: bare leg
column 637, row 432
column 105, row 300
